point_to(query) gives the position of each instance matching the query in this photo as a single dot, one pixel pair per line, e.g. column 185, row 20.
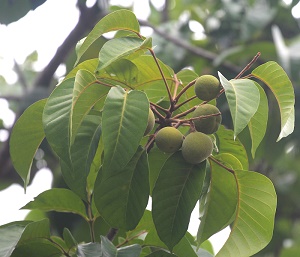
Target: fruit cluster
column 206, row 118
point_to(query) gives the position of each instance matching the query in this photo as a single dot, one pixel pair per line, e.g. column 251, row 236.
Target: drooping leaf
column 87, row 92
column 118, row 20
column 58, row 199
column 258, row 123
column 123, row 204
column 253, row 226
column 26, row 137
column 226, row 144
column 124, row 122
column 220, row 204
column 56, row 119
column 176, row 191
column 82, row 154
column 277, row 80
column 118, row 48
column 243, row 100
column 10, row 235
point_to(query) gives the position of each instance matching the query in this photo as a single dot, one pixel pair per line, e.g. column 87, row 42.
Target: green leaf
column 118, row 20
column 56, row 119
column 177, row 189
column 37, row 229
column 40, row 248
column 253, row 226
column 87, row 92
column 220, row 204
column 89, row 250
column 88, row 65
column 258, row 123
column 121, row 197
column 82, row 154
column 10, row 235
column 109, row 250
column 26, row 137
column 226, row 144
column 124, row 122
column 277, row 80
column 160, row 253
column 69, row 239
column 58, row 199
column 243, row 100
column 118, row 48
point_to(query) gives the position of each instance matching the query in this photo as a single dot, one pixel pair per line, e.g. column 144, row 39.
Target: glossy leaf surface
column 220, row 204
column 124, row 122
column 253, row 226
column 243, row 100
column 258, row 123
column 279, row 83
column 118, row 20
column 177, row 189
column 58, row 199
column 26, row 137
column 123, row 204
column 118, row 48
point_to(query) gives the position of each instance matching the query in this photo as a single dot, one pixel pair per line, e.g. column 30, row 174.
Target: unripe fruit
column 151, row 122
column 207, row 87
column 207, row 125
column 196, row 147
column 169, row 139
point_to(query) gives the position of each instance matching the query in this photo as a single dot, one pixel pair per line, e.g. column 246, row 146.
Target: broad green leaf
column 161, row 253
column 176, row 191
column 253, row 226
column 258, row 123
column 56, row 119
column 123, row 204
column 226, row 144
column 89, row 250
column 243, row 100
column 118, row 48
column 39, row 248
column 88, row 65
column 10, row 235
column 82, row 154
column 58, row 199
column 37, row 229
column 69, row 239
column 124, row 122
column 220, row 204
column 87, row 92
column 277, row 80
column 109, row 250
column 118, row 20
column 156, row 161
column 26, row 137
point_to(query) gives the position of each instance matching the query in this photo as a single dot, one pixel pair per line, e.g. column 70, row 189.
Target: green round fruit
column 207, row 125
column 151, row 122
column 207, row 87
column 169, row 139
column 196, row 147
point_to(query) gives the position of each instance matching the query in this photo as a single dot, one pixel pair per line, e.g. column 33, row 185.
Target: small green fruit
column 169, row 139
column 196, row 147
column 207, row 87
column 151, row 122
column 207, row 125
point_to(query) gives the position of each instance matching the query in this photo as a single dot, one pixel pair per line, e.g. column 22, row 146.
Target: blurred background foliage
column 206, row 36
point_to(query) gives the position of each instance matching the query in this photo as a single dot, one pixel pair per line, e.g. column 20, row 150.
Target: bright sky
column 39, row 31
